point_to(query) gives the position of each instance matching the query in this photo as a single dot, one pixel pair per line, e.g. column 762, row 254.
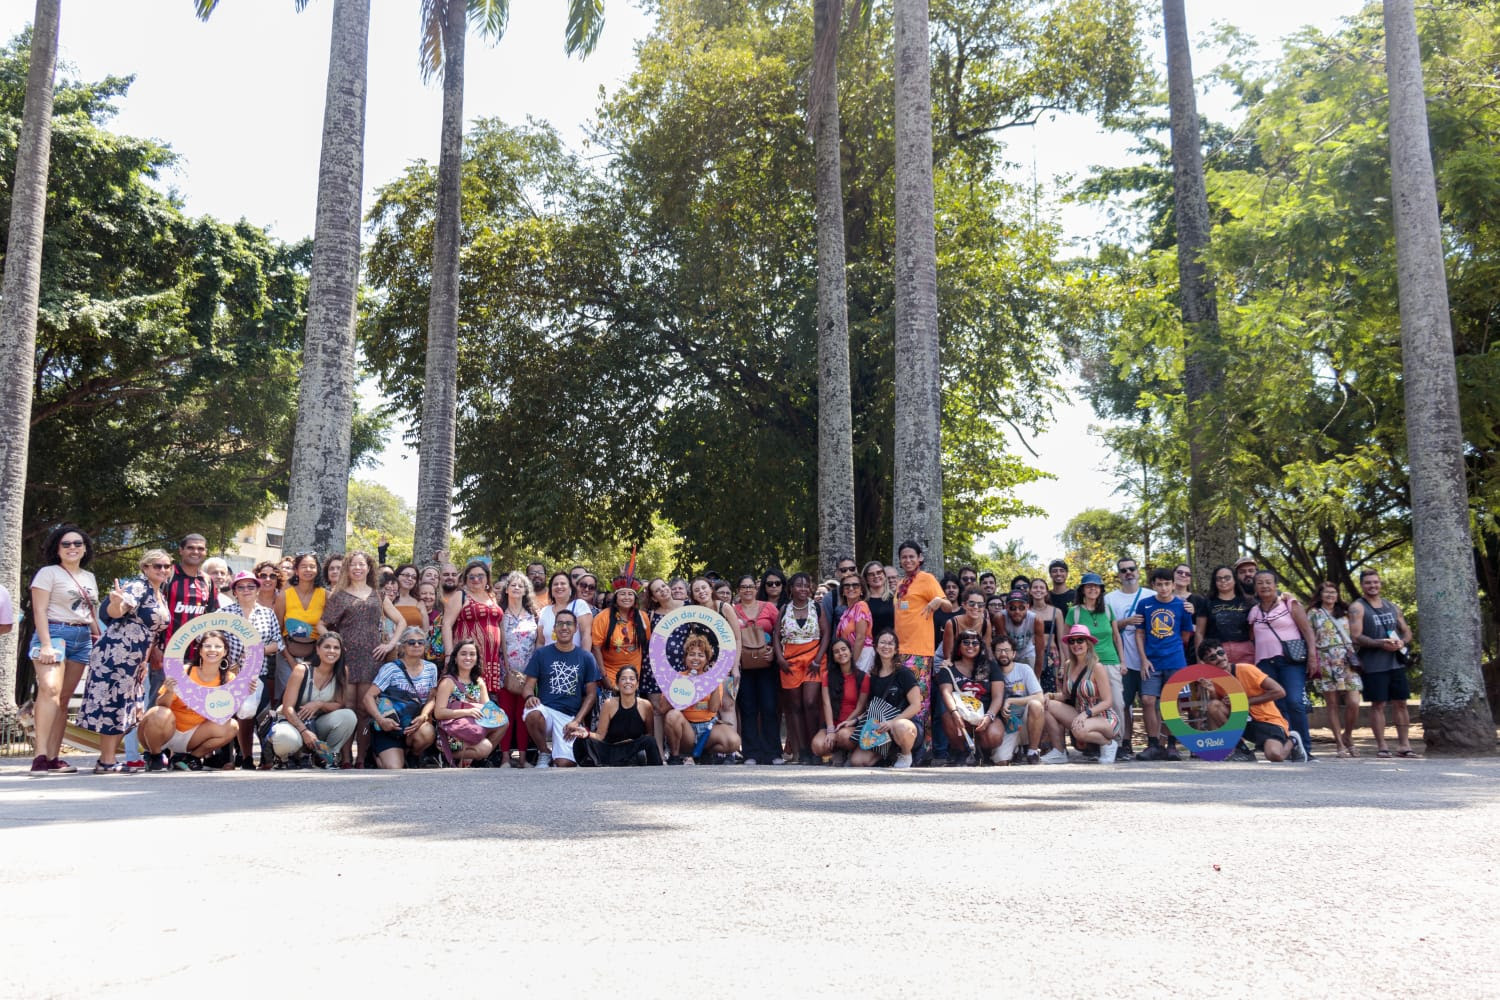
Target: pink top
column 1270, row 628
column 858, row 612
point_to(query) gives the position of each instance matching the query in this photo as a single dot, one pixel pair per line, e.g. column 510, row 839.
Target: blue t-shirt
column 1163, row 626
column 561, row 677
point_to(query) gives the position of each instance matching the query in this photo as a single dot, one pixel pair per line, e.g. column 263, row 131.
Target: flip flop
column 1382, row 753
column 1409, row 754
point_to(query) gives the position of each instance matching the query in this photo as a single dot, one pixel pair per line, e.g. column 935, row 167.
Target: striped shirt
column 187, row 598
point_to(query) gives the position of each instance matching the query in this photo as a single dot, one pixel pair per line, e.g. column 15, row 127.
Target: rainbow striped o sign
column 1214, row 744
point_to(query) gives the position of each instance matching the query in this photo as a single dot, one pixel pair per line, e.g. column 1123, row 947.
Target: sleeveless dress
column 485, row 624
column 1088, row 697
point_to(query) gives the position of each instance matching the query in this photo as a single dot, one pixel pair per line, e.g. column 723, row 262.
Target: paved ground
column 1363, row 879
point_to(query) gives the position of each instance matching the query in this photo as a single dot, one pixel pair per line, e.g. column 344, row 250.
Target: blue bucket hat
column 1091, row 578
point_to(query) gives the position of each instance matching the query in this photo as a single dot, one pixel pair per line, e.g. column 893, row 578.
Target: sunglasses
column 268, row 576
column 1215, row 656
column 773, row 583
column 587, row 586
column 968, row 642
column 1078, row 642
column 413, row 642
column 78, row 544
column 158, row 565
column 850, row 586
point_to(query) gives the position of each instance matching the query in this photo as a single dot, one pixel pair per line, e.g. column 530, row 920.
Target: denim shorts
column 1151, row 686
column 76, row 640
column 702, row 729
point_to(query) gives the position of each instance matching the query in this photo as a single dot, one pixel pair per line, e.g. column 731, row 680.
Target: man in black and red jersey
column 188, row 593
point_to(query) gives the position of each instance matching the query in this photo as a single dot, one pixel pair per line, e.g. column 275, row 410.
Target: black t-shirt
column 1062, row 602
column 882, row 613
column 893, row 688
column 1228, row 620
column 962, row 684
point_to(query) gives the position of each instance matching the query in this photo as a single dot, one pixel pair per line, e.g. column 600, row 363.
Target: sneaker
column 778, row 759
column 135, row 766
column 59, row 766
column 1124, row 753
column 943, row 760
column 40, row 766
column 1034, row 757
column 1243, row 752
column 1108, row 751
column 902, row 761
column 156, row 762
column 544, row 760
column 1172, row 753
column 675, row 759
column 1152, row 753
column 1053, row 756
column 1299, row 752
column 750, row 760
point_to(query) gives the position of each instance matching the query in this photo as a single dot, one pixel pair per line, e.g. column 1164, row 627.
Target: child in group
column 1161, row 641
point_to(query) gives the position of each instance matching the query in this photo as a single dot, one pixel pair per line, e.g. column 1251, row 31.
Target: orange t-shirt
column 185, row 717
column 701, row 712
column 1253, row 679
column 914, row 632
column 625, row 647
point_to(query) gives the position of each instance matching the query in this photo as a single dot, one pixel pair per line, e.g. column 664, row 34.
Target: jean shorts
column 74, row 639
column 701, row 729
column 1151, row 686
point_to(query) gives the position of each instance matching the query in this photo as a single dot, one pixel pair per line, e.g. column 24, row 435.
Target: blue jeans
column 940, row 746
column 1293, row 706
column 760, row 725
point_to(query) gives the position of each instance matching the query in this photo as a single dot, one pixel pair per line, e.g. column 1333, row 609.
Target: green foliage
column 1310, row 423
column 637, row 342
column 167, row 347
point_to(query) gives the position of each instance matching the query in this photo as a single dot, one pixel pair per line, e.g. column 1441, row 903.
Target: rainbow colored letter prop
column 1215, row 744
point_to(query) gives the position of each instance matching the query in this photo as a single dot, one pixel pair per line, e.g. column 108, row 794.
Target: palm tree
column 444, row 26
column 918, row 456
column 1455, row 713
column 19, row 294
column 1211, row 538
column 835, row 416
column 318, row 500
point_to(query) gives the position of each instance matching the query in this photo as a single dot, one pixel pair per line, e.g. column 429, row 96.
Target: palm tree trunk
column 19, row 292
column 440, row 391
column 918, row 454
column 1455, row 713
column 319, row 495
column 835, row 416
column 1211, row 540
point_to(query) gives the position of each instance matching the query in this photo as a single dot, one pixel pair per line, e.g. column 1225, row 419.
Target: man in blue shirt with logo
column 1161, row 640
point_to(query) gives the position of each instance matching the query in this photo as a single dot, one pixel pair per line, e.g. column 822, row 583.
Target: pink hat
column 1080, row 632
column 242, row 577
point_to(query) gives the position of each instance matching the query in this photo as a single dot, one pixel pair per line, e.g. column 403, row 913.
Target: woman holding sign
column 891, row 726
column 135, row 615
column 172, row 727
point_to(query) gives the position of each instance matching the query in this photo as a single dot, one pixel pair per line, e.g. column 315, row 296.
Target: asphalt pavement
column 1366, row 878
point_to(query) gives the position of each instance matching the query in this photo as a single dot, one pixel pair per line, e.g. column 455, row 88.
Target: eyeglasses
column 77, row 543
column 564, row 625
column 968, row 642
column 1078, row 642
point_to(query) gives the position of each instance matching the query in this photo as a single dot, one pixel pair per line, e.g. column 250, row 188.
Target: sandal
column 517, row 760
column 1340, row 752
column 1408, row 754
column 1382, row 753
column 1351, row 749
column 115, row 768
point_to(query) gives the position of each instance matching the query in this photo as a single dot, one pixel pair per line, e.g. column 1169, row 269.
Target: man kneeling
column 694, row 731
column 1266, row 730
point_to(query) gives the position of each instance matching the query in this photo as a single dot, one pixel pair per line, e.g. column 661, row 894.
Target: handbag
column 753, row 654
column 466, row 731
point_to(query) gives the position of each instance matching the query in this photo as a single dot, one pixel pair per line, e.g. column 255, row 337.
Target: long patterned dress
column 117, row 667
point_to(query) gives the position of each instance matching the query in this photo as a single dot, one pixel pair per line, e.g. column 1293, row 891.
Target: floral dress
column 1332, row 635
column 520, row 639
column 117, row 667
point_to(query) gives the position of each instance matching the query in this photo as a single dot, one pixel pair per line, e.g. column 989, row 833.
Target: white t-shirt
column 548, row 616
column 64, row 603
column 1123, row 606
column 7, row 611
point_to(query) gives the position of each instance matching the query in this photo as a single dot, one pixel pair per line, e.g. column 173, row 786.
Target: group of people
column 372, row 666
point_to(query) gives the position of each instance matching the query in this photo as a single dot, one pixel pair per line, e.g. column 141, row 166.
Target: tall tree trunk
column 440, row 388
column 1455, row 714
column 1211, row 540
column 918, row 453
column 19, row 292
column 318, row 502
column 835, row 414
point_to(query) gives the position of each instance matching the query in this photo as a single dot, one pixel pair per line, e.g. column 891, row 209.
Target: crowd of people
column 368, row 665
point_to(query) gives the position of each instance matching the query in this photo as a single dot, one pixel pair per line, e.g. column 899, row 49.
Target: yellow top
column 312, row 613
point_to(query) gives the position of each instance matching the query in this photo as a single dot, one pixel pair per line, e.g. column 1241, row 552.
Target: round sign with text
column 682, row 689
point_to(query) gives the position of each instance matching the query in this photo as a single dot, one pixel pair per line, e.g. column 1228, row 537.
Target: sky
column 240, row 100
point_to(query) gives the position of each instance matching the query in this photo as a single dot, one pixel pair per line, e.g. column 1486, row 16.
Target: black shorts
column 1387, row 685
column 1256, row 733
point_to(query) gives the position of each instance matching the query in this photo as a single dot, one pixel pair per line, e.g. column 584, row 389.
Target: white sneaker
column 1055, row 756
column 543, row 760
column 1299, row 752
column 903, row 760
column 1107, row 752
